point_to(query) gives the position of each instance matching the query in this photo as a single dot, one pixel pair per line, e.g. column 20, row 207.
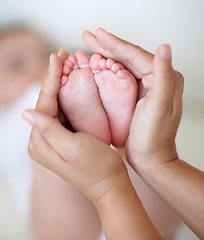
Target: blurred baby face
column 23, row 60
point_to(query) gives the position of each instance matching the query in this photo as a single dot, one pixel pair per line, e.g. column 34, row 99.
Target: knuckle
column 30, row 149
column 179, row 76
column 45, row 130
column 167, row 74
column 180, row 80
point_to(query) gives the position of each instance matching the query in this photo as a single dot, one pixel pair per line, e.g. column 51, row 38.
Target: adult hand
column 87, row 163
column 47, row 101
column 159, row 106
column 133, row 57
column 151, row 148
column 80, row 159
column 157, row 115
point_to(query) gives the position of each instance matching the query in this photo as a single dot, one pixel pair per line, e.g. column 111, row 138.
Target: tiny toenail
column 75, row 66
column 96, row 71
column 84, row 66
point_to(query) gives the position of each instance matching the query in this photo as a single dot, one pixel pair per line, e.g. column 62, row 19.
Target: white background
column 144, row 22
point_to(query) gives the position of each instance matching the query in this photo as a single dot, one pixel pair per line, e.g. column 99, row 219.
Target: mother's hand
column 159, row 105
column 87, row 163
column 133, row 57
column 80, row 159
column 47, row 101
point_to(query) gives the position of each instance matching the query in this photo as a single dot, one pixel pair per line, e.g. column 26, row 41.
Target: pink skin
column 79, row 99
column 104, row 81
column 118, row 93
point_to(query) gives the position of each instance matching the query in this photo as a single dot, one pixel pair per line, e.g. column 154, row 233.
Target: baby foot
column 79, row 98
column 118, row 93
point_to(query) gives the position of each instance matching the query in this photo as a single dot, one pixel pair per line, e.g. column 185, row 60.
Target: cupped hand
column 158, row 110
column 79, row 158
column 157, row 115
column 133, row 57
column 87, row 163
column 48, row 96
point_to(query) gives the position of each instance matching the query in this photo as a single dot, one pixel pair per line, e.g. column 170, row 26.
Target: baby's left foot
column 118, row 93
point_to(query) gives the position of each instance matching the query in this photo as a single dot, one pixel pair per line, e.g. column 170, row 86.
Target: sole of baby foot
column 118, row 93
column 79, row 98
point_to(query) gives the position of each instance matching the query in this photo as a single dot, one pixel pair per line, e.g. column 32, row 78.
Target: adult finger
column 63, row 54
column 178, row 92
column 58, row 137
column 136, row 59
column 41, row 151
column 47, row 101
column 164, row 75
column 92, row 43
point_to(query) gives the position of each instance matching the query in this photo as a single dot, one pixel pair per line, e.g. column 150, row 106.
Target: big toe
column 83, row 59
column 95, row 62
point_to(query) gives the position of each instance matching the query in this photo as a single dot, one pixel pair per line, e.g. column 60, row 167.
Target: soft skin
column 151, row 148
column 97, row 170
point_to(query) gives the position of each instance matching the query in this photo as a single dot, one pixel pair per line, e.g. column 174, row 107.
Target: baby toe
column 94, row 62
column 73, row 59
column 116, row 67
column 68, row 63
column 66, row 70
column 63, row 81
column 109, row 63
column 102, row 64
column 83, row 59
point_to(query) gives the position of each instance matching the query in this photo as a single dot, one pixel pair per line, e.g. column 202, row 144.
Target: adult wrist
column 117, row 198
column 148, row 164
column 110, row 188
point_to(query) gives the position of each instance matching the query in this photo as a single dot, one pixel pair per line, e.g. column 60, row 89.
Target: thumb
column 163, row 73
column 47, row 101
column 51, row 131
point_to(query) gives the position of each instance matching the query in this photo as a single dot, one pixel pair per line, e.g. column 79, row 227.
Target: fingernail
column 59, row 52
column 86, row 31
column 29, row 116
column 99, row 28
column 165, row 52
column 51, row 55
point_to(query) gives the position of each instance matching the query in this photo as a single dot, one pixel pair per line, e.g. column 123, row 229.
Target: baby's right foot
column 118, row 93
column 79, row 98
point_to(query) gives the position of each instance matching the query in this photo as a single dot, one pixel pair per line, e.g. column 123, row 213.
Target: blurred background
column 146, row 23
